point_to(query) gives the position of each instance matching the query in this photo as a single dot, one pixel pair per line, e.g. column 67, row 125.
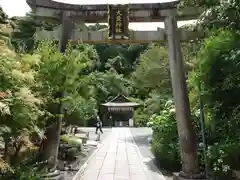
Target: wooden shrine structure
column 121, row 111
column 118, row 17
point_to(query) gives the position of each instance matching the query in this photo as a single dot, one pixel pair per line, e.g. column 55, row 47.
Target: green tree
column 151, row 82
column 3, row 16
column 221, row 14
column 216, row 70
column 107, row 85
column 57, row 73
column 123, row 58
column 19, row 104
column 152, row 73
column 23, row 35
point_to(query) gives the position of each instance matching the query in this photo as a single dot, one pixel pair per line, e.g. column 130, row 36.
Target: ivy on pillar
column 188, row 149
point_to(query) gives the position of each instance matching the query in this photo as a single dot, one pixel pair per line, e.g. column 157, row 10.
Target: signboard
column 118, row 19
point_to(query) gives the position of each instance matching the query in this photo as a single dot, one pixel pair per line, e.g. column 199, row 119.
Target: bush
column 4, row 168
column 217, row 71
column 23, row 172
column 153, row 104
column 165, row 146
column 222, row 157
column 167, row 155
column 71, row 141
column 69, row 148
column 140, row 117
column 28, row 169
column 165, row 142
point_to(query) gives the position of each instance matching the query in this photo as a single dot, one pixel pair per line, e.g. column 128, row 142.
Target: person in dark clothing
column 111, row 121
column 99, row 125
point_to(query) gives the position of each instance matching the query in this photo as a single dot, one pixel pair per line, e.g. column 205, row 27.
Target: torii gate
column 118, row 17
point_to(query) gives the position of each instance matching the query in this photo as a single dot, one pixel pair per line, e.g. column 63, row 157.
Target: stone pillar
column 67, row 28
column 190, row 168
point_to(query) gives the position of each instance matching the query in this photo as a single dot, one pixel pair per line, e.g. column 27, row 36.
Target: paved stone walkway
column 117, row 159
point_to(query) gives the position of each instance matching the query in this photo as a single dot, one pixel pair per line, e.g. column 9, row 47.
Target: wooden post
column 190, row 168
column 50, row 146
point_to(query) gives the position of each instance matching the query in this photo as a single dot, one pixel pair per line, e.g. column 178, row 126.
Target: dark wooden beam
column 101, row 7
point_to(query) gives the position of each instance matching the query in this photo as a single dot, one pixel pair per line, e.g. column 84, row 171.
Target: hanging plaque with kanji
column 118, row 18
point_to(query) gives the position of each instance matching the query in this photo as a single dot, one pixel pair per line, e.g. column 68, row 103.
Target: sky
column 20, row 8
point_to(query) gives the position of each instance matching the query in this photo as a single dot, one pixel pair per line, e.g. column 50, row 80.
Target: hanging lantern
column 118, row 20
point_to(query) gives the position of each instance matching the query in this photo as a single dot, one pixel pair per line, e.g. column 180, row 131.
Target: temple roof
column 128, row 104
column 120, row 98
column 120, row 101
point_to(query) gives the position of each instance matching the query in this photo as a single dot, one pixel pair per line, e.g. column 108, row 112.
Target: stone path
column 117, row 159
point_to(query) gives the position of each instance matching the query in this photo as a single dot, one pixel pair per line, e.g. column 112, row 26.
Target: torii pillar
column 190, row 167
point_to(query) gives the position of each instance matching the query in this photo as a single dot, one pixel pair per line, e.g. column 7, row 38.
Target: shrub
column 165, row 141
column 217, row 71
column 165, row 146
column 69, row 148
column 24, row 172
column 221, row 158
column 28, row 169
column 4, row 168
column 140, row 117
column 151, row 105
column 71, row 141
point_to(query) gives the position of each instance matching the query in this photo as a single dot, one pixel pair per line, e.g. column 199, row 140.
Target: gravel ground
column 68, row 175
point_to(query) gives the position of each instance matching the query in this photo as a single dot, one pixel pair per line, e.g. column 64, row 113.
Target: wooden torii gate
column 118, row 32
column 49, row 10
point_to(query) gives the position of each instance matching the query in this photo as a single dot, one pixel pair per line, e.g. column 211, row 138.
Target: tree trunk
column 5, row 154
column 49, row 149
column 18, row 148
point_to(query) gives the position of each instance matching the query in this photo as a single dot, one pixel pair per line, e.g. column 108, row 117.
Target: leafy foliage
column 22, row 171
column 3, row 16
column 65, row 73
column 70, row 147
column 149, row 106
column 20, row 106
column 165, row 144
column 151, row 83
column 221, row 14
column 31, row 86
column 217, row 71
column 121, row 58
column 152, row 73
column 73, row 141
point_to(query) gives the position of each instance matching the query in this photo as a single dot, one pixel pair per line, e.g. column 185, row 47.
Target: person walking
column 111, row 121
column 99, row 125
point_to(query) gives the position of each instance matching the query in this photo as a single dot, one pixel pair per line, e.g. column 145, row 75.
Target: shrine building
column 121, row 111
